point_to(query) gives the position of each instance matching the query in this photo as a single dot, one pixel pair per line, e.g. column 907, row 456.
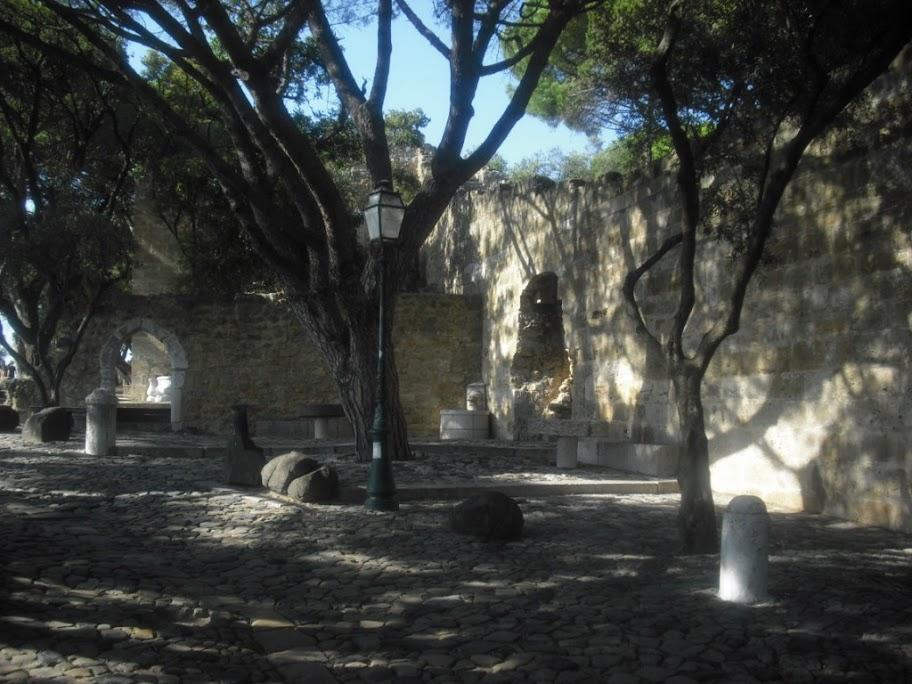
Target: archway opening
column 540, row 372
column 145, row 366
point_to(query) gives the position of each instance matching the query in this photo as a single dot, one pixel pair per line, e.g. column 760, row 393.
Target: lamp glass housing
column 384, row 213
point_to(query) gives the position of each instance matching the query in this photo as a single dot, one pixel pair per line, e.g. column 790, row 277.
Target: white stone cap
column 100, row 395
column 746, row 505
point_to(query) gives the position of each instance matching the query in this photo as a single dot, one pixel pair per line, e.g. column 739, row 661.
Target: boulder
column 278, row 473
column 243, row 466
column 490, row 515
column 48, row 425
column 318, row 486
column 9, row 419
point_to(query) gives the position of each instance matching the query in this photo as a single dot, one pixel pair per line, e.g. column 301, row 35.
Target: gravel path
column 130, row 569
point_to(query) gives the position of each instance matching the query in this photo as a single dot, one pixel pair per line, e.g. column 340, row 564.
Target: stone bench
column 568, row 433
column 314, row 421
column 608, row 444
column 328, row 420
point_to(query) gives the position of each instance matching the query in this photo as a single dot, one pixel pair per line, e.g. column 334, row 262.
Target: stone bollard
column 566, row 452
column 243, row 459
column 241, row 437
column 745, row 551
column 101, row 422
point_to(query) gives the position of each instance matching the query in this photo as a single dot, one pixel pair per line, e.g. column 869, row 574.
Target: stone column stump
column 243, row 459
column 566, row 452
column 745, row 551
column 460, row 424
column 101, row 422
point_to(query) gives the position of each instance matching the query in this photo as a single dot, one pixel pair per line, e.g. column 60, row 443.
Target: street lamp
column 383, row 215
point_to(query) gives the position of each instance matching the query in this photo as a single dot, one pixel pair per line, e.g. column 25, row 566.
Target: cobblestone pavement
column 126, row 569
column 460, row 465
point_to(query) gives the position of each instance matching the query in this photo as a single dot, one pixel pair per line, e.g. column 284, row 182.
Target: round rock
column 489, row 515
column 317, row 486
column 281, row 471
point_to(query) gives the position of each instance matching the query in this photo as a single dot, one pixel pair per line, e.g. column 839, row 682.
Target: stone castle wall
column 253, row 351
column 808, row 406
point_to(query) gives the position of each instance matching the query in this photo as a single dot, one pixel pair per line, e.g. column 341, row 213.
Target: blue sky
column 419, row 78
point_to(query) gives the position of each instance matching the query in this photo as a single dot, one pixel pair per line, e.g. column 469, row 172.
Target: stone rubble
column 143, row 569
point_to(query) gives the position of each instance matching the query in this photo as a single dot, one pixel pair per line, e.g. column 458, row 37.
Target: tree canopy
column 65, row 184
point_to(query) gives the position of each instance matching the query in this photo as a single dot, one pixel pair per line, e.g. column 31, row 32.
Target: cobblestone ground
column 129, row 569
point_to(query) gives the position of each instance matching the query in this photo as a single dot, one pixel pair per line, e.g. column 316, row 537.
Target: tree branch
column 544, row 41
column 281, row 44
column 630, row 283
column 419, row 25
column 367, row 115
column 687, row 177
column 384, row 51
column 815, row 121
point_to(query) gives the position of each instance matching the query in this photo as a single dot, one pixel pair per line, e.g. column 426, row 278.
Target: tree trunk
column 357, row 396
column 46, row 397
column 353, row 366
column 697, row 515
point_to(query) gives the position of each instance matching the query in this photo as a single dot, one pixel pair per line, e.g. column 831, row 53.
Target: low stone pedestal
column 243, row 466
column 9, row 419
column 101, row 422
column 48, row 425
column 566, row 452
column 745, row 551
column 243, row 459
column 462, row 424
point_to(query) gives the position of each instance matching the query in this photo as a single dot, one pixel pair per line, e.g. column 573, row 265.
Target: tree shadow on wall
column 818, row 369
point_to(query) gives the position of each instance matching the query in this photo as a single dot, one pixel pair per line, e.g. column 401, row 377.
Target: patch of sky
column 419, row 79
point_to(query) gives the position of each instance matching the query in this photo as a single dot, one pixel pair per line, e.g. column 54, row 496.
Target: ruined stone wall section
column 253, row 350
column 808, row 406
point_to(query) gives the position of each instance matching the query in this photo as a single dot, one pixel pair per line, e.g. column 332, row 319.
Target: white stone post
column 321, row 427
column 745, row 551
column 566, row 452
column 101, row 422
column 178, row 375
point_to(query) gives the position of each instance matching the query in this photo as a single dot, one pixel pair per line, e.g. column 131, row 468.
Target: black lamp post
column 383, row 214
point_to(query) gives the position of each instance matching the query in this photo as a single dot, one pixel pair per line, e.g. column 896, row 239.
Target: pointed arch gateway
column 176, row 356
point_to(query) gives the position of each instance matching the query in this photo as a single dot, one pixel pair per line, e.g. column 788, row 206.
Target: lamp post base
column 377, row 503
column 381, row 489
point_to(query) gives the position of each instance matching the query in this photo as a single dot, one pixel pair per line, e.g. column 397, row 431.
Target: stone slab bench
column 608, row 444
column 314, row 421
column 144, row 414
column 657, row 460
column 606, row 429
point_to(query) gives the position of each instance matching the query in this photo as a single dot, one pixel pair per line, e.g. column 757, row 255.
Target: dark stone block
column 244, row 466
column 48, row 425
column 9, row 419
column 490, row 515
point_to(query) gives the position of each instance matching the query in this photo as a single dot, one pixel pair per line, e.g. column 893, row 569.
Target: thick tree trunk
column 352, row 361
column 697, row 515
column 357, row 396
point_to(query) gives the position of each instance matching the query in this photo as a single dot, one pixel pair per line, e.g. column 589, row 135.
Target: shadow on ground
column 130, row 564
